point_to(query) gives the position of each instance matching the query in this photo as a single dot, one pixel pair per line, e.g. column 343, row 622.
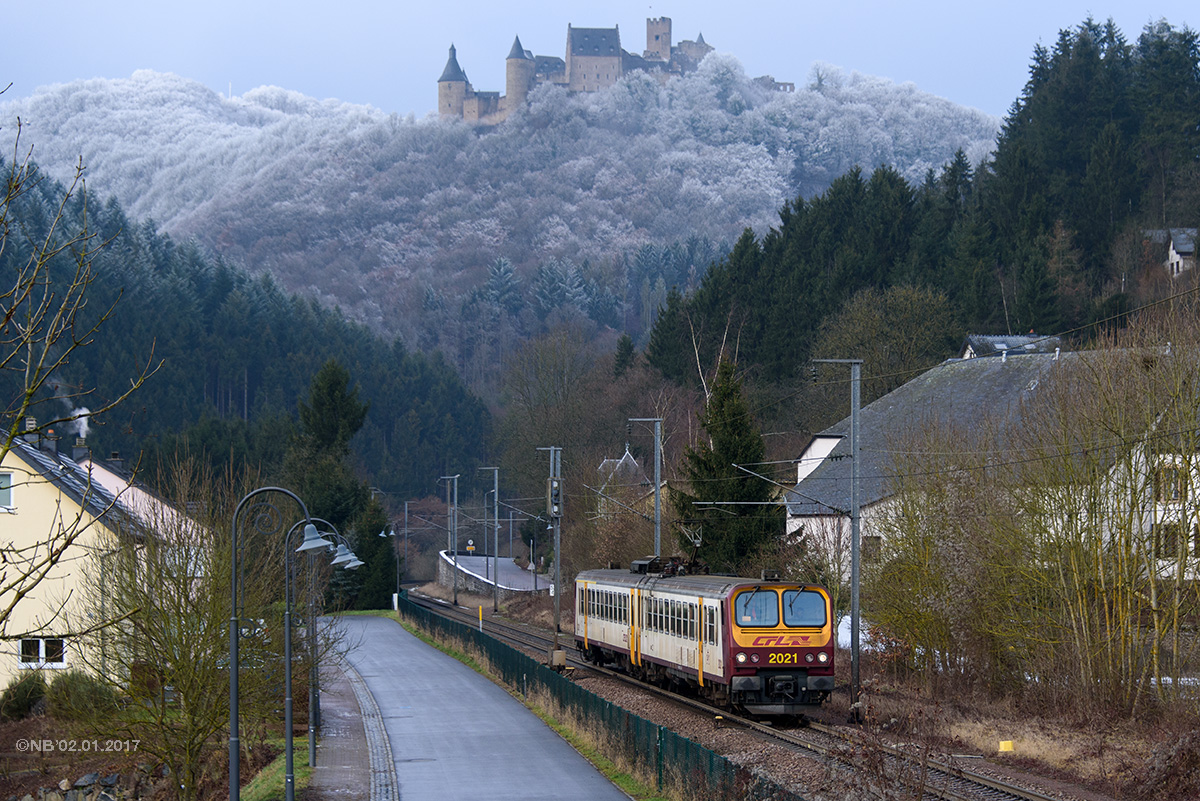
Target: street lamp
column 312, row 541
column 314, row 679
column 266, row 519
column 390, row 531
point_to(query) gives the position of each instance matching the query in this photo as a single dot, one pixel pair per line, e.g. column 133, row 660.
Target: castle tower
column 452, row 88
column 658, row 39
column 519, row 69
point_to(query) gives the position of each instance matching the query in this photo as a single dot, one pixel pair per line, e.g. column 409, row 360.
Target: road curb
column 385, row 786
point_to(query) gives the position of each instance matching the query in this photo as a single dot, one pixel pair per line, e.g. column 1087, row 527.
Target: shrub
column 21, row 694
column 75, row 695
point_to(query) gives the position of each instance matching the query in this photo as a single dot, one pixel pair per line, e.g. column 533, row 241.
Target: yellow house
column 53, row 519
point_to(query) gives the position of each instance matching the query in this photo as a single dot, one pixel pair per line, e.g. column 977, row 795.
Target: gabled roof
column 72, row 480
column 593, row 41
column 453, row 72
column 625, row 470
column 1183, row 240
column 979, row 345
column 960, row 393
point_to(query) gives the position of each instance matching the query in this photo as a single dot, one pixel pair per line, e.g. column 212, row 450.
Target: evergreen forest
column 1061, row 228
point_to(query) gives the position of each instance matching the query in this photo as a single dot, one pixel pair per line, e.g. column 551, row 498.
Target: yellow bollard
column 1006, row 745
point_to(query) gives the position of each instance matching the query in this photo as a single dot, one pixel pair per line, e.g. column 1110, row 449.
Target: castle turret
column 452, row 87
column 658, row 39
column 519, row 70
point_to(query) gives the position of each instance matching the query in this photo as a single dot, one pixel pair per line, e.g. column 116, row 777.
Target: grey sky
column 389, row 54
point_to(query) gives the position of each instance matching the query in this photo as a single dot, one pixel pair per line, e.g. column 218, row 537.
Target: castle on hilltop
column 594, row 60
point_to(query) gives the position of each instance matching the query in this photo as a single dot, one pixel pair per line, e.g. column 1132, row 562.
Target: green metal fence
column 648, row 749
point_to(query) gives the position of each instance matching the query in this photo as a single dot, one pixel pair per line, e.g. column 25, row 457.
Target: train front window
column 803, row 608
column 757, row 607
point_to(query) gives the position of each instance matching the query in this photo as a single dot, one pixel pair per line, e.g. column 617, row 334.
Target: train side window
column 691, row 621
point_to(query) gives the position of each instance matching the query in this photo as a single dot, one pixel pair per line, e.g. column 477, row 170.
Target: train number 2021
column 783, row 659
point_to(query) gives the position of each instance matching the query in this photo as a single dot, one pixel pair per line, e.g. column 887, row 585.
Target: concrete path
column 343, row 771
column 452, row 734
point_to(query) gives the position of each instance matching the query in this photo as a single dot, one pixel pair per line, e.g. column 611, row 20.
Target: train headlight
column 822, row 657
column 741, row 658
column 808, row 657
column 754, row 658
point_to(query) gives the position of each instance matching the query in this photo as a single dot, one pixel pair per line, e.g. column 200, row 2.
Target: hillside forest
column 452, row 352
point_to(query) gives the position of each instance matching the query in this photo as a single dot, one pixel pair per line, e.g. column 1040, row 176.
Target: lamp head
column 312, row 539
column 342, row 556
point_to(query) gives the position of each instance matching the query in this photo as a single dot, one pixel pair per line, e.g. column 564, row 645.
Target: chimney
column 49, row 442
column 115, row 460
column 30, row 434
column 79, row 451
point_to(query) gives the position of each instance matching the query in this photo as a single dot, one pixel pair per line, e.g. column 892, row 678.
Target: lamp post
column 390, row 531
column 312, row 541
column 314, row 675
column 266, row 519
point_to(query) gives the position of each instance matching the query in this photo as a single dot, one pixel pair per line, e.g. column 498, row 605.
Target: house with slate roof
column 53, row 519
column 1181, row 251
column 959, row 393
column 1154, row 479
column 1179, row 245
column 623, row 481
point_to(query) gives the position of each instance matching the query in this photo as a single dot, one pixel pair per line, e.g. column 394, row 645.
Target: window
column 1166, row 539
column 43, row 652
column 6, row 504
column 757, row 607
column 1170, row 484
column 803, row 608
column 872, row 545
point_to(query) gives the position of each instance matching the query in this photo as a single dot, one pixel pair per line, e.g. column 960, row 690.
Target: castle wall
column 480, row 105
column 592, row 73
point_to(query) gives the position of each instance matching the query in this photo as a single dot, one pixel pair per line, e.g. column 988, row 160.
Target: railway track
column 942, row 777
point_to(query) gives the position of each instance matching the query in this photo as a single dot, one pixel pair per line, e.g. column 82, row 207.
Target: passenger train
column 765, row 647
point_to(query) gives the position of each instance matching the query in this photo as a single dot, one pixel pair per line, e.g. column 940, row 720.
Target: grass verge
column 267, row 785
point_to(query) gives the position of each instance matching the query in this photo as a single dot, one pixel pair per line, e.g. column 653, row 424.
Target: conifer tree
column 732, row 534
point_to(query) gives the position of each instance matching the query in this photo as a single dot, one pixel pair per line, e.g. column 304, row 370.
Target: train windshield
column 757, row 607
column 803, row 608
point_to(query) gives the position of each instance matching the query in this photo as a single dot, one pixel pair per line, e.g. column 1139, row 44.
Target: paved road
column 454, row 734
column 511, row 576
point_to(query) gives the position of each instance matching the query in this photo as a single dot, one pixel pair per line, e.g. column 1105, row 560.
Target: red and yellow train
column 765, row 647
